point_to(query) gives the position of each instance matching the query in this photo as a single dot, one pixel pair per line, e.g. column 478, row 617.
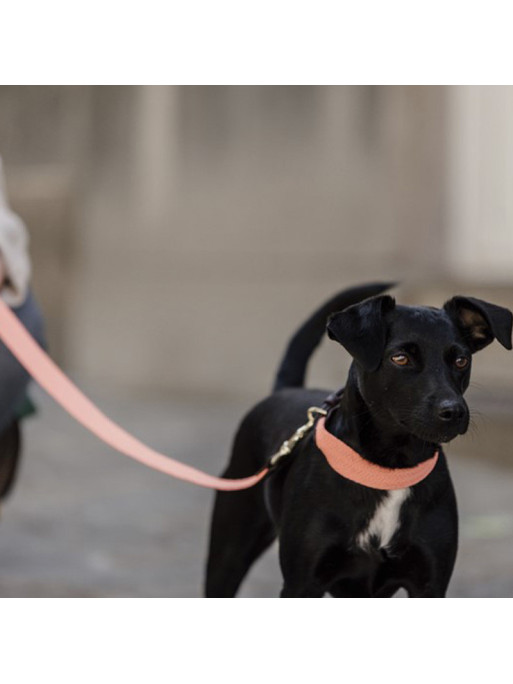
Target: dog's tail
column 292, row 369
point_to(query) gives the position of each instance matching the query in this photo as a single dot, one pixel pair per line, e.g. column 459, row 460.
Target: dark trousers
column 14, row 379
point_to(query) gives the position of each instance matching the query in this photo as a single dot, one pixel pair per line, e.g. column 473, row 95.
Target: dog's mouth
column 435, row 433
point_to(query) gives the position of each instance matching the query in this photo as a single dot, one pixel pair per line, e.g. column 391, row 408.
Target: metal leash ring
column 290, row 443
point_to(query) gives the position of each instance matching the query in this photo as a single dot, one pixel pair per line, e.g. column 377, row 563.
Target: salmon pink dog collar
column 348, row 463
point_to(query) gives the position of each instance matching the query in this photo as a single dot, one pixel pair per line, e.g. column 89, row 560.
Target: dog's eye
column 400, row 359
column 461, row 362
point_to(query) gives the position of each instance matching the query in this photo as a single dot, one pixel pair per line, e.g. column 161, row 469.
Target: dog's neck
column 369, row 431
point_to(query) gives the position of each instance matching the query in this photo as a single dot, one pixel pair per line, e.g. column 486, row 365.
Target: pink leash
column 40, row 366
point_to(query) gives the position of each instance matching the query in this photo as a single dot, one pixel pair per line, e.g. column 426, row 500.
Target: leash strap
column 51, row 378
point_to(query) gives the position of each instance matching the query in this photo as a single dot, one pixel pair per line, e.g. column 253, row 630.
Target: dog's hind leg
column 241, row 531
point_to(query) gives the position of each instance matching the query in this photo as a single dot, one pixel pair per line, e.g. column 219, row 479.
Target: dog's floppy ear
column 361, row 329
column 480, row 322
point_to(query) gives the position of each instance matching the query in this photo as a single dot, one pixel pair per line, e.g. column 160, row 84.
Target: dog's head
column 412, row 364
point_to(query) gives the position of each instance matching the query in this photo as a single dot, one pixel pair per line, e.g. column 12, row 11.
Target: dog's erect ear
column 361, row 329
column 480, row 322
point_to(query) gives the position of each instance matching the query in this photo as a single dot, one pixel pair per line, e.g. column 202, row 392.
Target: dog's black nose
column 449, row 410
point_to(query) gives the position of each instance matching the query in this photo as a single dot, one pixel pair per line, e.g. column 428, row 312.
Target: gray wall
column 181, row 233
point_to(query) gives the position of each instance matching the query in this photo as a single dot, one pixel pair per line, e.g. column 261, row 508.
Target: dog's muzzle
column 452, row 418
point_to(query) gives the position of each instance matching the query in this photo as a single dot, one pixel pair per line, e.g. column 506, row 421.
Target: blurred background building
column 179, row 234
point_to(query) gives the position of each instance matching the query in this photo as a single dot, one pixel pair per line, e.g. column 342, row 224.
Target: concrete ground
column 86, row 521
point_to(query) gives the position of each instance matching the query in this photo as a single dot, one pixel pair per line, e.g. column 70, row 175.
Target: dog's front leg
column 428, row 592
column 429, row 563
column 312, row 568
column 307, row 591
column 422, row 577
column 299, row 562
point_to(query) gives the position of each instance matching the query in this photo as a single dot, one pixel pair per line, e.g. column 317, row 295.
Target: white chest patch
column 385, row 521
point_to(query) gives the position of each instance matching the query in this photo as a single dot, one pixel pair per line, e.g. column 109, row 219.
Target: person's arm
column 14, row 256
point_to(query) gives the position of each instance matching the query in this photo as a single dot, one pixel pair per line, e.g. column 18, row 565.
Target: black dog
column 403, row 398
